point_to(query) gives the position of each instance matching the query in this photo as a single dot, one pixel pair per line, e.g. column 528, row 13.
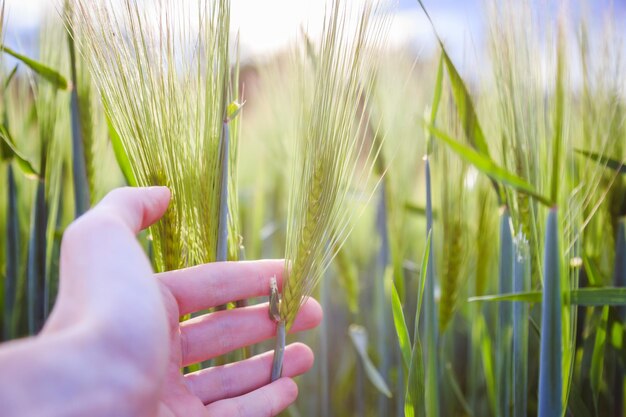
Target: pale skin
column 113, row 345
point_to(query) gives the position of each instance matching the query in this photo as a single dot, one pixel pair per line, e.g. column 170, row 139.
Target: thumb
column 137, row 208
column 104, row 272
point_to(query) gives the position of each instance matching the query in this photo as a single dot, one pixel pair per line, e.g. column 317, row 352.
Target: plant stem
column 37, row 261
column 81, row 185
column 12, row 257
column 279, row 351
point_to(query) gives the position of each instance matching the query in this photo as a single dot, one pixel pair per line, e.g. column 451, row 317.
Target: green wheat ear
column 165, row 80
column 333, row 156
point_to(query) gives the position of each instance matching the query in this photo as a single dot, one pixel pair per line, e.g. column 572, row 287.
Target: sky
column 266, row 26
column 269, row 25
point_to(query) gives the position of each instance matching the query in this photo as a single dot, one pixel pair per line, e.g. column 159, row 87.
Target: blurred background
column 508, row 64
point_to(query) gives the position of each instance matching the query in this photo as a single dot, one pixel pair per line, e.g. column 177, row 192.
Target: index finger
column 209, row 285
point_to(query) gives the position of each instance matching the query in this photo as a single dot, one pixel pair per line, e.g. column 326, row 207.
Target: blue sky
column 263, row 30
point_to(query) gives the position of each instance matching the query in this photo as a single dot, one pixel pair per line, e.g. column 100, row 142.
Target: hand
column 113, row 345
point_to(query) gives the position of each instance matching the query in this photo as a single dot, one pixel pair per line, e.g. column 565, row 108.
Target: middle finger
column 215, row 334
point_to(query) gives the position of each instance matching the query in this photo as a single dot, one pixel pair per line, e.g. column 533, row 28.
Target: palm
column 138, row 318
column 226, row 390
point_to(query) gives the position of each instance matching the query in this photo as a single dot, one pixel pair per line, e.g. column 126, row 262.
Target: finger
column 205, row 286
column 266, row 401
column 103, row 268
column 137, row 208
column 100, row 253
column 215, row 334
column 232, row 380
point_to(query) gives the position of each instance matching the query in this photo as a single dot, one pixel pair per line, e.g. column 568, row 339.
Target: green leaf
column 558, row 121
column 462, row 98
column 401, row 328
column 414, row 400
column 423, row 274
column 414, row 208
column 465, row 108
column 527, row 297
column 487, row 166
column 25, row 165
column 233, row 109
column 10, row 77
column 614, row 164
column 590, row 297
column 120, row 155
column 42, row 70
column 438, row 90
column 597, row 357
column 486, row 351
column 358, row 335
column 436, row 100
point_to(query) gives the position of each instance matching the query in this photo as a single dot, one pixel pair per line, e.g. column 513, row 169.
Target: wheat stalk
column 331, row 156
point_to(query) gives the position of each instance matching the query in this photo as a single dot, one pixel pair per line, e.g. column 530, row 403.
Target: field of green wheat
column 465, row 234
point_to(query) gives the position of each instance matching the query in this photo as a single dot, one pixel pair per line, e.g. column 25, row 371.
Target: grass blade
column 414, row 400
column 558, row 120
column 614, row 164
column 10, row 77
column 436, row 101
column 462, row 98
column 401, row 329
column 47, row 73
column 590, row 297
column 25, row 165
column 619, row 272
column 487, row 166
column 358, row 335
column 120, row 155
column 550, row 362
column 597, row 357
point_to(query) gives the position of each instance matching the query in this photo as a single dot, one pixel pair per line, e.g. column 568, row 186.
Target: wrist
column 72, row 373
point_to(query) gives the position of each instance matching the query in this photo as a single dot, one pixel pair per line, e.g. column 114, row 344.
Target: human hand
column 113, row 345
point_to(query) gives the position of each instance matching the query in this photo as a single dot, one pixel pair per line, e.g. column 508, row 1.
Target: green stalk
column 521, row 270
column 619, row 280
column 381, row 305
column 430, row 312
column 12, row 256
column 36, row 277
column 222, row 230
column 324, row 364
column 279, row 351
column 551, row 346
column 81, row 184
column 503, row 333
column 558, row 122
